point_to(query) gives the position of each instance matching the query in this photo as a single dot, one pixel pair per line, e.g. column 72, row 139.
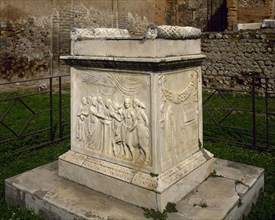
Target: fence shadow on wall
column 34, row 113
column 240, row 111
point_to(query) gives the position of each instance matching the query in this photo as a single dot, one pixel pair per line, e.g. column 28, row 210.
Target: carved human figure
column 142, row 129
column 113, row 118
column 104, row 126
column 94, row 129
column 117, row 143
column 107, row 128
column 127, row 129
column 82, row 123
column 170, row 128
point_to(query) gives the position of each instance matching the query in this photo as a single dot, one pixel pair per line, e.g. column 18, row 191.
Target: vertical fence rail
column 254, row 131
column 51, row 110
column 60, row 107
column 30, row 115
column 267, row 112
column 245, row 113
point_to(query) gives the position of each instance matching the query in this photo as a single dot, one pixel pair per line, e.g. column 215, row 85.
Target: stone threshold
column 227, row 194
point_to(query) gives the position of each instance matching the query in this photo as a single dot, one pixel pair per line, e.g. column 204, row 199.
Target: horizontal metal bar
column 224, row 126
column 40, row 146
column 31, row 80
column 226, row 140
column 25, row 135
column 24, row 96
column 226, row 90
column 259, row 147
column 234, row 109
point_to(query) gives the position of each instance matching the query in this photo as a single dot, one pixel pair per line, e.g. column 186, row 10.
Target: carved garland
column 178, row 97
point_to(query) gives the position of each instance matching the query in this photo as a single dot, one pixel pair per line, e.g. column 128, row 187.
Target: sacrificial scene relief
column 115, row 129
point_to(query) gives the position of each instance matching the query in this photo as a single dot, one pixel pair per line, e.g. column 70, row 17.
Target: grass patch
column 229, row 116
column 214, row 174
column 10, row 165
column 27, row 112
column 158, row 215
column 21, row 163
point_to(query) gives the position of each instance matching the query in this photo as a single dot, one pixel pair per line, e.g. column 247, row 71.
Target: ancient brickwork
column 238, row 55
column 187, row 13
column 249, row 11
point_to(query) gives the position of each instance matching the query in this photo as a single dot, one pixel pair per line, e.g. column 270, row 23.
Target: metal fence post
column 51, row 110
column 267, row 112
column 253, row 112
column 60, row 107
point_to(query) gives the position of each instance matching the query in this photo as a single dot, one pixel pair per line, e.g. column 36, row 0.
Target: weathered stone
column 123, row 120
column 140, row 48
column 98, row 33
column 247, row 26
column 268, row 23
column 171, row 32
column 58, row 198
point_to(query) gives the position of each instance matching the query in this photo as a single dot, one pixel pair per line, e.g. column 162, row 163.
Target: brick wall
column 249, row 11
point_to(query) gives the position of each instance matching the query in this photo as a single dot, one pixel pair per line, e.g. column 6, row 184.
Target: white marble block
column 136, row 115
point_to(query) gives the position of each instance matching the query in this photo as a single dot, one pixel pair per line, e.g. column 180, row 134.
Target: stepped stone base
column 226, row 195
column 136, row 186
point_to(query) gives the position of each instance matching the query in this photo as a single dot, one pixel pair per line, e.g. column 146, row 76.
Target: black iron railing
column 39, row 114
column 242, row 114
column 34, row 113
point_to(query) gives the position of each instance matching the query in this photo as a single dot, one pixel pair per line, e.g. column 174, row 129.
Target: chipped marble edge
column 247, row 180
column 157, row 183
column 12, row 181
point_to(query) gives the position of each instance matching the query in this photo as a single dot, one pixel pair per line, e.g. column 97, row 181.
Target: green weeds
column 157, row 215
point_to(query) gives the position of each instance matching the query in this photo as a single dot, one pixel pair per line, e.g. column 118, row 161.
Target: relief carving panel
column 179, row 114
column 111, row 120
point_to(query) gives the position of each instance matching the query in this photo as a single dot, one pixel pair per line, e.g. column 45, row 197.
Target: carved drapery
column 112, row 119
column 127, row 85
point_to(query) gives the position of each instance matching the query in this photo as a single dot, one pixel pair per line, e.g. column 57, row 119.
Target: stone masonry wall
column 33, row 34
column 238, row 55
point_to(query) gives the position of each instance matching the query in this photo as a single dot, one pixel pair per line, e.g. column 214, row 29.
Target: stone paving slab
column 226, row 195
